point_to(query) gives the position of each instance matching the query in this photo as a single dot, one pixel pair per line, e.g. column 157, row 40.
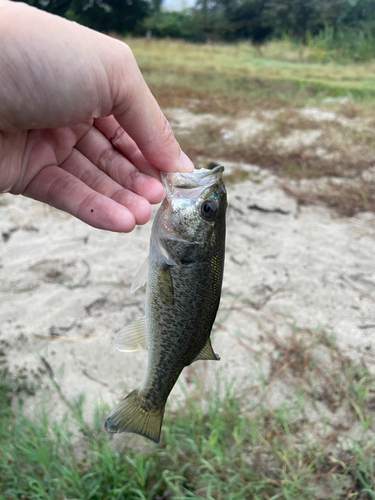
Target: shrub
column 342, row 45
column 174, row 25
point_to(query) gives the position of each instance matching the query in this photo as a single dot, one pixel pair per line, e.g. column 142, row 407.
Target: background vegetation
column 311, row 123
column 335, row 29
column 212, row 447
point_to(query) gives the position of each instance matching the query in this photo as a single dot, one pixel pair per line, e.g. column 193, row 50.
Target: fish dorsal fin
column 165, row 286
column 141, row 276
column 132, row 337
column 207, row 352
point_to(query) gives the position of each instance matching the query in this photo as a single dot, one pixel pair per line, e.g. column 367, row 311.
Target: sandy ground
column 65, row 292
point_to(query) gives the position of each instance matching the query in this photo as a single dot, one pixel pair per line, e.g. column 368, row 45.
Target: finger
column 138, row 113
column 62, row 190
column 79, row 166
column 121, row 141
column 102, row 154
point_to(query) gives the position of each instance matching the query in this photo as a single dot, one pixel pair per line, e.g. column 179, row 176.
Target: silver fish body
column 186, row 264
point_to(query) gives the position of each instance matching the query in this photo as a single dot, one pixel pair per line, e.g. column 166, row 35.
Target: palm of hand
column 93, row 171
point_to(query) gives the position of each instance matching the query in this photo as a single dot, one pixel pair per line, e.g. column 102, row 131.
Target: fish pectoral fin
column 207, row 353
column 140, row 278
column 165, row 286
column 131, row 416
column 132, row 337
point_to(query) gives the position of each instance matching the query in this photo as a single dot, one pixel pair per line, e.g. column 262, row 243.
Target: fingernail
column 187, row 164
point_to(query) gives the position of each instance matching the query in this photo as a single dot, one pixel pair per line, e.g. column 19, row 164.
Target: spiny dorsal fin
column 207, row 353
column 140, row 278
column 132, row 337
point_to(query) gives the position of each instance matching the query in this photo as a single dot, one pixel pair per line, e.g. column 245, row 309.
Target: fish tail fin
column 131, row 416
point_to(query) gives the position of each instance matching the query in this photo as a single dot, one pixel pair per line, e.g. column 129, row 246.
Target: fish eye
column 209, row 209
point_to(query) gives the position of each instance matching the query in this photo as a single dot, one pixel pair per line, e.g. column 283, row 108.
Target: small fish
column 184, row 273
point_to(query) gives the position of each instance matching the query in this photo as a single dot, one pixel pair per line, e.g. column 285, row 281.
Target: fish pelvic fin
column 131, row 416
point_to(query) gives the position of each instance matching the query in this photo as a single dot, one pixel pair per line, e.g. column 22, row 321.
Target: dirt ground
column 65, row 292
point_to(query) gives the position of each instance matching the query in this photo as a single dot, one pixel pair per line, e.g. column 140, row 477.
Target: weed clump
column 213, row 446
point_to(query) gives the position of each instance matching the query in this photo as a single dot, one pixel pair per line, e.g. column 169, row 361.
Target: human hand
column 79, row 128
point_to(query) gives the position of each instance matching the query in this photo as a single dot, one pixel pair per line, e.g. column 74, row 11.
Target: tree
column 121, row 16
column 246, row 21
column 291, row 17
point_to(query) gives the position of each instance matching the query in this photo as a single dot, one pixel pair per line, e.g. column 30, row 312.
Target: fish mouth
column 205, row 172
column 202, row 177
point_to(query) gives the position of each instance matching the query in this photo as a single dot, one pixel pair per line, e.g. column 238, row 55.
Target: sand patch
column 65, row 292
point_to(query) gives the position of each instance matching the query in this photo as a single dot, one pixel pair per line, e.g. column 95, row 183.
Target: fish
column 184, row 273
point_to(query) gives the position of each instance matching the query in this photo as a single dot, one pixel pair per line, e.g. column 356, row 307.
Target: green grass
column 212, row 447
column 230, row 67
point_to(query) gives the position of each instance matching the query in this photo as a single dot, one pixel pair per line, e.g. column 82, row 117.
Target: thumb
column 137, row 111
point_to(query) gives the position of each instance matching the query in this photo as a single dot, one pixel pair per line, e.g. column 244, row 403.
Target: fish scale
column 185, row 273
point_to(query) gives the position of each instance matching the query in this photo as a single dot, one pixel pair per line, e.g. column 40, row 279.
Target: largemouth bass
column 184, row 276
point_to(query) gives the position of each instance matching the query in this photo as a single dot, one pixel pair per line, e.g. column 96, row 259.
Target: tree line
column 334, row 21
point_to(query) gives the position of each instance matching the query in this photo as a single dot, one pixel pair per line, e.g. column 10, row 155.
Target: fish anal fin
column 140, row 278
column 131, row 416
column 207, row 353
column 132, row 337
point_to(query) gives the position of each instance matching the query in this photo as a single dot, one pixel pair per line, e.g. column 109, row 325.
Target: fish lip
column 205, row 172
column 199, row 178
